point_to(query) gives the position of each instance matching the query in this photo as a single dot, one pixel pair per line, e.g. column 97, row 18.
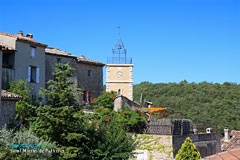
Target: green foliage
column 61, row 120
column 23, row 136
column 106, row 99
column 204, row 103
column 188, row 151
column 131, row 119
column 81, row 136
column 25, row 108
column 109, row 141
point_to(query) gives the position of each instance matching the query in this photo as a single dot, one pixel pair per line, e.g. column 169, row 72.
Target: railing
column 119, row 60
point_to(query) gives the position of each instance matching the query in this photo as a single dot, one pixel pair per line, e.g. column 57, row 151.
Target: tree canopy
column 204, row 103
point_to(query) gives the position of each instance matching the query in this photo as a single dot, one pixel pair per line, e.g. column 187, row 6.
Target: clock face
column 119, row 74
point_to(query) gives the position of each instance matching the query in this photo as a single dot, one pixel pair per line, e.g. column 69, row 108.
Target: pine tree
column 25, row 108
column 61, row 120
column 188, row 151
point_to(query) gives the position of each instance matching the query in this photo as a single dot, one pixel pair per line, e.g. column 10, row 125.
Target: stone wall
column 23, row 60
column 207, row 144
column 155, row 147
column 90, row 78
column 121, row 101
column 50, row 62
column 7, row 111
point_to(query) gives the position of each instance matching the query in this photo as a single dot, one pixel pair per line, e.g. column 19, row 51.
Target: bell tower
column 119, row 68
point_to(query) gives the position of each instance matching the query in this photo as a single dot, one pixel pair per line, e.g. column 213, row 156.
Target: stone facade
column 88, row 74
column 52, row 60
column 8, row 107
column 8, row 112
column 33, row 61
column 27, row 62
column 92, row 83
column 119, row 78
column 121, row 101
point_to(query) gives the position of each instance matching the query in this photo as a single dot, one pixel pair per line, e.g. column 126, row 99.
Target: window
column 33, row 74
column 89, row 73
column 89, row 96
column 84, row 95
column 33, row 52
column 59, row 60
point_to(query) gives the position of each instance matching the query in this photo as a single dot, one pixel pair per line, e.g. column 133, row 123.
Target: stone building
column 92, row 83
column 25, row 61
column 8, row 107
column 88, row 74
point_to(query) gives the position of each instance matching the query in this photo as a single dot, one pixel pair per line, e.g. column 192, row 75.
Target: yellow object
column 149, row 111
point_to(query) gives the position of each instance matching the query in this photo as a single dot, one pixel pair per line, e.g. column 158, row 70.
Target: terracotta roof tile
column 56, row 51
column 233, row 154
column 82, row 59
column 9, row 95
column 22, row 38
column 234, row 142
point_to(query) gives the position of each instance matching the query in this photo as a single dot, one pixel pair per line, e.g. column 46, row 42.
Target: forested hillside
column 204, row 103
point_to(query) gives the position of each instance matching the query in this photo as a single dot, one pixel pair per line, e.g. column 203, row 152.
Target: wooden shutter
column 33, row 52
column 89, row 96
column 29, row 73
column 37, row 75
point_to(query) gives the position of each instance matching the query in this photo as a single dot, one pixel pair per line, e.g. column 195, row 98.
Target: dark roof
column 234, row 141
column 233, row 154
column 5, row 47
column 9, row 95
column 84, row 60
column 23, row 38
column 56, row 51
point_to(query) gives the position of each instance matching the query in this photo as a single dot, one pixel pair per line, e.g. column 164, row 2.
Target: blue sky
column 169, row 40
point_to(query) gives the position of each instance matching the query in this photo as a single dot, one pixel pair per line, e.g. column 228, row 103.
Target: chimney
column 226, row 134
column 29, row 35
column 209, row 130
column 20, row 33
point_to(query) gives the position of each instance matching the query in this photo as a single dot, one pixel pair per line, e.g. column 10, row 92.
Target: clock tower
column 119, row 76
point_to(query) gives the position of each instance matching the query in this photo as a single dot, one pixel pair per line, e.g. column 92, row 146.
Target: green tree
column 25, row 108
column 188, row 151
column 81, row 136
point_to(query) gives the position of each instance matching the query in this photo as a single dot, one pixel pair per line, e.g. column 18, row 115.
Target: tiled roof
column 5, row 47
column 22, row 38
column 233, row 154
column 56, row 51
column 234, row 142
column 9, row 95
column 82, row 59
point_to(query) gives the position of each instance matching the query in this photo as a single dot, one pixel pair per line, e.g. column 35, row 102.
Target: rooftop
column 82, row 59
column 233, row 154
column 56, row 51
column 9, row 95
column 21, row 37
column 234, row 141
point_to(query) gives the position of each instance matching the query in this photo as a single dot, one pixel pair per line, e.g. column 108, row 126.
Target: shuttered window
column 29, row 73
column 37, row 75
column 89, row 96
column 33, row 52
